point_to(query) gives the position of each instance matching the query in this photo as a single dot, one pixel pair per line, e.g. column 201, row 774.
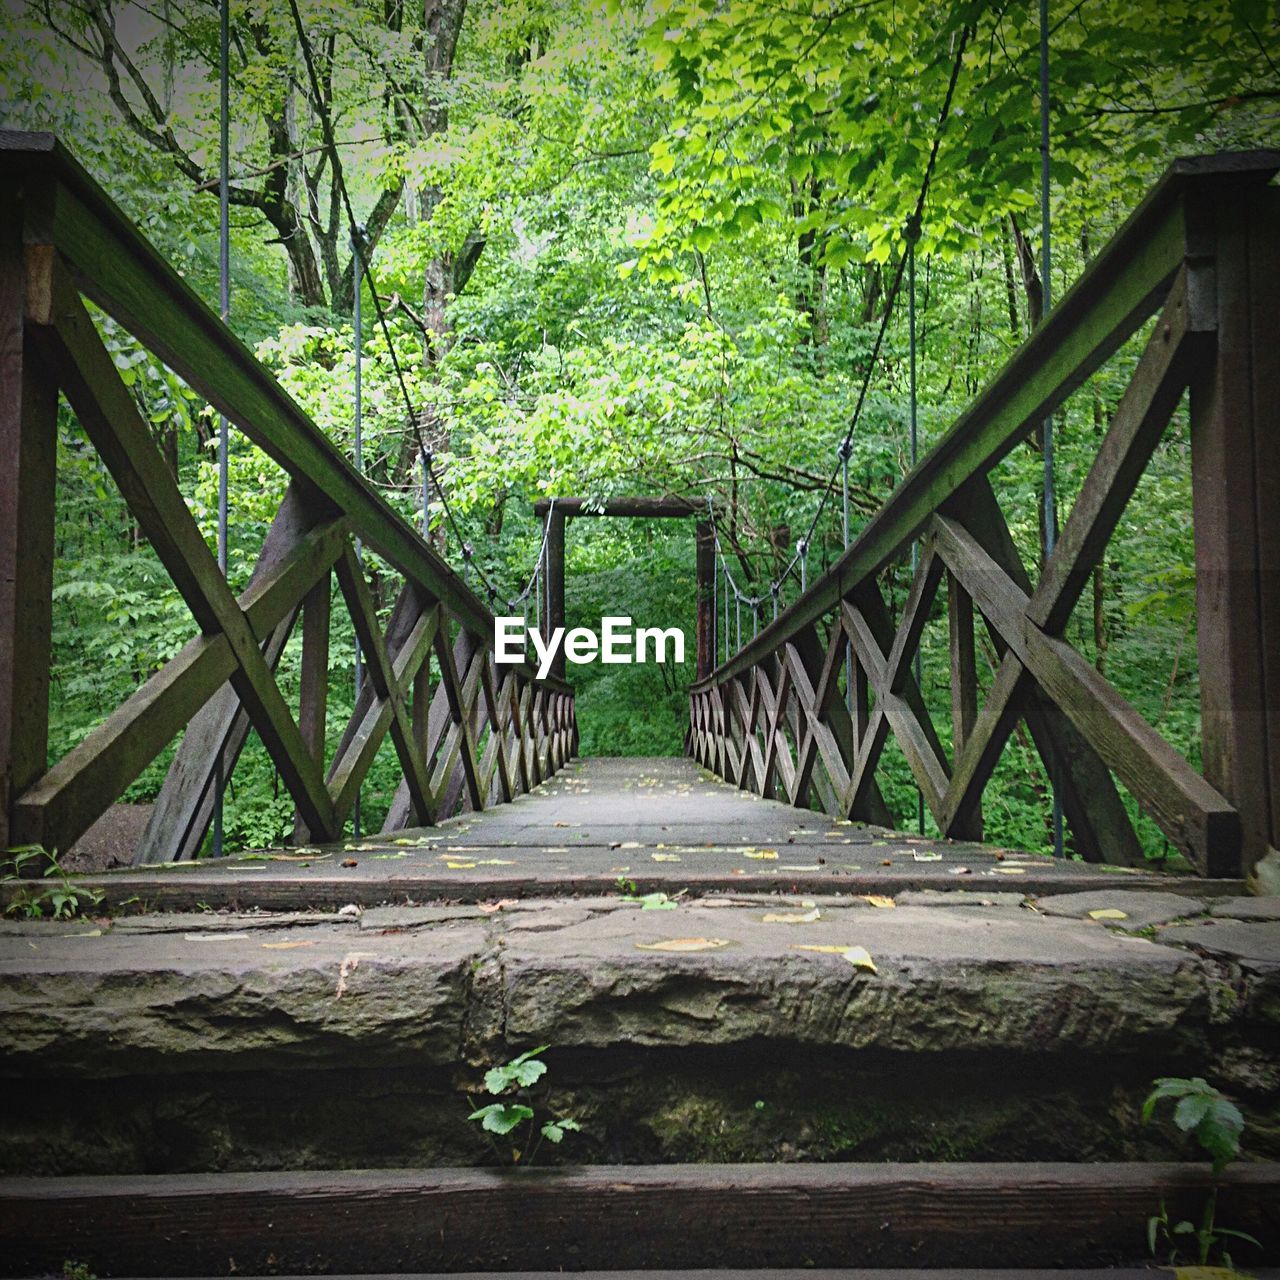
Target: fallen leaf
column 288, row 946
column 296, row 857
column 761, row 854
column 816, row 867
column 495, row 862
column 859, row 957
column 684, row 944
column 490, row 907
column 791, row 917
column 959, row 871
column 1007, row 871
column 1108, row 913
column 350, row 862
column 922, row 856
column 878, row 900
column 459, row 866
column 665, row 857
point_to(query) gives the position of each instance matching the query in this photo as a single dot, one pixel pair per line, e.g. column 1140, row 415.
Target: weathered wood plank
column 1235, row 462
column 1187, row 809
column 1172, row 356
column 643, row 1216
column 28, row 461
column 111, row 420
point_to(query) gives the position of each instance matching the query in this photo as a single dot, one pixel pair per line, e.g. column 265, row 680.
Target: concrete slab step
column 623, row 1217
column 726, row 1028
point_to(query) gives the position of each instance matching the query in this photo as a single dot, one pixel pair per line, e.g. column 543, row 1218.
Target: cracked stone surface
column 1142, row 907
column 414, row 984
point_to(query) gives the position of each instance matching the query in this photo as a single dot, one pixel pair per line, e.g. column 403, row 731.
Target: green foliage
column 63, row 900
column 1201, row 1110
column 662, row 236
column 512, row 1083
column 1216, row 1124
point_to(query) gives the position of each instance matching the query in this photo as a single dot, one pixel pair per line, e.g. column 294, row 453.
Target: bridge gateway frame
column 555, row 514
column 1203, row 250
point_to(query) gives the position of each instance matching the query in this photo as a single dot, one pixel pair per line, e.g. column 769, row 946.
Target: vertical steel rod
column 844, row 452
column 358, row 452
column 915, row 453
column 1050, row 495
column 224, row 309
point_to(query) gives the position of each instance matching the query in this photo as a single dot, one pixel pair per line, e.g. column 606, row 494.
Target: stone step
column 945, row 1026
column 620, row 1217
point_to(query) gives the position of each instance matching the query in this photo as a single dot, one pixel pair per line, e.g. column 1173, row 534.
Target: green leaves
column 506, row 1115
column 521, row 1072
column 502, row 1117
column 1201, row 1110
column 554, row 1130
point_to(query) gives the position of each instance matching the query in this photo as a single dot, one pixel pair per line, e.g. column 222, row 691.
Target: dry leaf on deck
column 859, row 957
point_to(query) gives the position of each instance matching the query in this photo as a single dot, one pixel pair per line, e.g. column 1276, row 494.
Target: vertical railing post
column 555, row 583
column 28, row 463
column 705, row 560
column 313, row 682
column 1235, row 469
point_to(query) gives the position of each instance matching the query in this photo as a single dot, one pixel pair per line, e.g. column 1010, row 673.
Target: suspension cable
column 911, row 232
column 326, row 129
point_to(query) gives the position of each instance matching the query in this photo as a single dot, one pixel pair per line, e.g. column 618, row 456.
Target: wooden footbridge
column 791, row 1034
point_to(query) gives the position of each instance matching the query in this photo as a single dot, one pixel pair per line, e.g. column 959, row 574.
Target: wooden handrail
column 1117, row 292
column 115, row 266
column 1203, row 246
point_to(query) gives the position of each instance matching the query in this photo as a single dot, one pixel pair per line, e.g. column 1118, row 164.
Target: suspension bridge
column 792, row 1034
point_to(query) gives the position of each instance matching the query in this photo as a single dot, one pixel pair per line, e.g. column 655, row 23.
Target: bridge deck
column 663, row 824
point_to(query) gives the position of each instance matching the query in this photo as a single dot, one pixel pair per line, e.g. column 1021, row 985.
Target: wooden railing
column 476, row 735
column 779, row 717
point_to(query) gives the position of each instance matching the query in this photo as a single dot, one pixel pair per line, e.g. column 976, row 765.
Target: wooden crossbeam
column 904, row 711
column 389, row 684
column 111, row 420
column 67, row 799
column 1189, row 811
column 1090, row 801
column 1174, row 355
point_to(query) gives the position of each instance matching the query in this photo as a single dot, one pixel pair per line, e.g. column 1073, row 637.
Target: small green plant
column 512, row 1084
column 63, row 900
column 627, row 888
column 77, row 1271
column 1216, row 1124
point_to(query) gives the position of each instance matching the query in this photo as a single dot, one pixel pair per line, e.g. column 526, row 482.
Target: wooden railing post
column 555, row 584
column 1235, row 469
column 28, row 460
column 705, row 559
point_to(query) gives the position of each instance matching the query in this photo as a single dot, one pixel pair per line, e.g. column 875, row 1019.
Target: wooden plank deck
column 660, row 824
